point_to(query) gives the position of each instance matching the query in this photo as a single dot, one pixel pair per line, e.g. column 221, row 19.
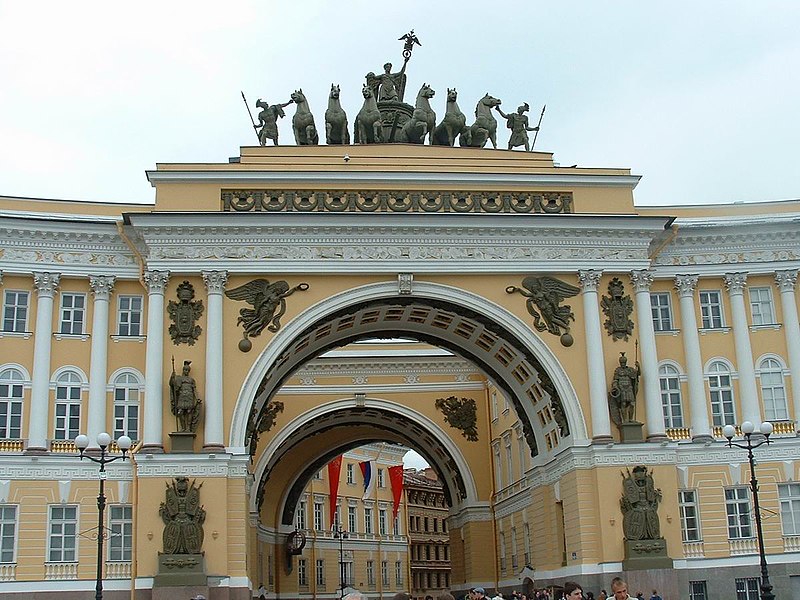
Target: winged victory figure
column 268, row 302
column 546, row 293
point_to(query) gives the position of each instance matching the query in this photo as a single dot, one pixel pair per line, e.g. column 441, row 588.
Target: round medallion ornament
column 295, row 542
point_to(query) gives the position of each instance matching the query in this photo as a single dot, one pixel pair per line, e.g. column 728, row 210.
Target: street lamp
column 341, row 535
column 103, row 440
column 748, row 429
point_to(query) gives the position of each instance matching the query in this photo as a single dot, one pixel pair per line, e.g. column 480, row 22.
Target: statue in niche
column 184, row 314
column 258, row 424
column 618, row 309
column 624, row 387
column 460, row 413
column 546, row 293
column 184, row 402
column 183, row 517
column 268, row 120
column 518, row 124
column 639, row 504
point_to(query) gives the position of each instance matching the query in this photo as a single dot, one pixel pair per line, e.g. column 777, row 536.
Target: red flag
column 334, row 468
column 396, row 479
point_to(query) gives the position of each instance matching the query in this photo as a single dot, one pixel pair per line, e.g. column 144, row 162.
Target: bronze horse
column 336, row 131
column 485, row 126
column 305, row 132
column 368, row 126
column 453, row 123
column 422, row 121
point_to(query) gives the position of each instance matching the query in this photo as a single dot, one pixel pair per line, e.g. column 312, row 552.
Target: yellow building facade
column 404, row 265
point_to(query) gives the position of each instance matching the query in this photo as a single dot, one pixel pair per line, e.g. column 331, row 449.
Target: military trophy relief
column 618, row 308
column 184, row 315
column 461, row 414
column 261, row 423
column 185, row 405
column 385, row 117
column 181, row 563
column 544, row 297
column 622, row 399
column 645, row 548
column 269, row 305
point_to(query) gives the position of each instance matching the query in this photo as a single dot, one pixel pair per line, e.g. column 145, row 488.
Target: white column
column 98, row 369
column 748, row 391
column 598, row 394
column 701, row 426
column 215, row 284
column 156, row 282
column 786, row 281
column 654, row 413
column 46, row 285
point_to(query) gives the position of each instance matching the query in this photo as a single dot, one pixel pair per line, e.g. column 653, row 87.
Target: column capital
column 786, row 280
column 156, row 281
column 215, row 281
column 686, row 284
column 46, row 284
column 735, row 283
column 589, row 280
column 642, row 280
column 102, row 286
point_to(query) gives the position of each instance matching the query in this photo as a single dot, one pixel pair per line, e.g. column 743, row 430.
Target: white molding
column 378, row 388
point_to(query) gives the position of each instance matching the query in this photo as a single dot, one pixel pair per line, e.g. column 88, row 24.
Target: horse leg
column 376, row 131
column 328, row 129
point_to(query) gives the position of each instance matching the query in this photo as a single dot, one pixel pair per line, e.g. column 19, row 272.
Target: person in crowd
column 572, row 591
column 655, row 595
column 619, row 588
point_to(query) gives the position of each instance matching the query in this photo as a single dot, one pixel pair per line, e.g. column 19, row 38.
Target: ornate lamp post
column 341, row 535
column 748, row 429
column 103, row 440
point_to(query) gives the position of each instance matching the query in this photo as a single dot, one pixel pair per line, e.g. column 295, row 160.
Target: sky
column 699, row 98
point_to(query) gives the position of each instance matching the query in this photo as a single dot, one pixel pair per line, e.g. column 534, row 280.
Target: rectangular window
column 398, row 573
column 302, row 572
column 319, row 524
column 737, row 507
column 690, row 523
column 120, row 541
column 697, row 590
column 789, row 495
column 711, row 309
column 514, row 560
column 661, row 311
column 348, row 572
column 761, row 306
column 11, row 404
column 15, row 311
column 129, row 316
column 370, row 572
column 396, row 524
column 73, row 312
column 368, row 521
column 509, row 459
column 320, row 566
column 62, row 540
column 721, row 392
column 382, row 528
column 385, row 572
column 671, row 397
column 502, row 548
column 300, row 515
column 747, row 588
column 351, row 479
column 381, row 479
column 8, row 533
column 351, row 519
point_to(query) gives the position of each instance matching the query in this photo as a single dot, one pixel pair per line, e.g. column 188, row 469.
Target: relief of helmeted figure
column 183, row 518
column 639, row 504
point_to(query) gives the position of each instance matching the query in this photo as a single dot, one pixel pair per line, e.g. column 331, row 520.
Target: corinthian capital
column 156, row 281
column 589, row 280
column 786, row 280
column 102, row 286
column 642, row 280
column 686, row 284
column 46, row 284
column 735, row 283
column 215, row 281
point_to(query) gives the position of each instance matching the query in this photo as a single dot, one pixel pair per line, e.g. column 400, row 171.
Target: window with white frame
column 495, row 407
column 789, row 495
column 11, row 385
column 747, row 588
column 514, row 559
column 319, row 523
column 669, row 380
column 697, row 590
column 126, row 406
column 15, row 311
column 661, row 311
column 73, row 313
column 396, row 524
column 302, row 572
column 737, row 507
column 721, row 392
column 68, row 406
column 367, row 520
column 773, row 390
column 370, row 572
column 382, row 526
column 129, row 316
column 498, row 472
column 347, row 566
column 761, row 306
column 522, row 448
column 502, row 547
column 526, row 541
column 398, row 573
column 62, row 539
column 120, row 522
column 351, row 478
column 385, row 572
column 711, row 309
column 381, row 478
column 509, row 458
column 690, row 521
column 300, row 515
column 320, row 568
column 351, row 519
column 8, row 533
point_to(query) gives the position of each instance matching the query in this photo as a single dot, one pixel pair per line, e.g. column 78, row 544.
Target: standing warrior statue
column 518, row 124
column 624, row 388
column 183, row 398
column 268, row 121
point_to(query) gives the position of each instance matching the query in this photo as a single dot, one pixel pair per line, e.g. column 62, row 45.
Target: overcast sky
column 701, row 98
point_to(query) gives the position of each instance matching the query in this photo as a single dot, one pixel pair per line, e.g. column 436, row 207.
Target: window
column 370, row 572
column 381, row 479
column 126, row 406
column 697, row 590
column 748, row 588
column 719, row 383
column 73, row 311
column 761, row 306
column 495, row 409
column 382, row 521
column 120, row 541
column 514, row 561
column 129, row 316
column 711, row 309
column 385, row 572
column 320, row 566
column 396, row 524
column 351, row 518
column 502, row 548
column 661, row 311
column 337, row 518
column 319, row 524
column 368, row 521
column 15, row 311
column 670, row 382
column 63, row 529
column 737, row 507
column 789, row 495
column 8, row 533
column 348, row 572
column 302, row 572
column 509, row 459
column 68, row 406
column 318, row 475
column 426, row 524
column 398, row 573
column 526, row 530
column 300, row 515
column 773, row 392
column 11, row 381
column 498, row 474
column 690, row 523
column 351, row 479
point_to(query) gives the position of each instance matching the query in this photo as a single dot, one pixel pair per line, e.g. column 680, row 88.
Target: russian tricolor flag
column 366, row 472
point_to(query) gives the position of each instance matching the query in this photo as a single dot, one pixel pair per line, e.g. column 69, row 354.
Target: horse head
column 452, row 95
column 334, row 95
column 490, row 101
column 298, row 97
column 426, row 91
column 366, row 91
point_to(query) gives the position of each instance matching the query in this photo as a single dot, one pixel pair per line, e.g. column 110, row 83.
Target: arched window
column 773, row 391
column 68, row 406
column 721, row 391
column 126, row 406
column 670, row 382
column 11, row 382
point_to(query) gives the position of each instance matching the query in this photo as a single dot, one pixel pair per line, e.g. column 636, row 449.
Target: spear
column 255, row 127
column 535, row 135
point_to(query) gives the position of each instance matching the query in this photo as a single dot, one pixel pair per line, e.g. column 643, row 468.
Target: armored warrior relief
column 639, row 504
column 183, row 518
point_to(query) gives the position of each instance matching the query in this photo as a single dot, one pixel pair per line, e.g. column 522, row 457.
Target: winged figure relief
column 268, row 302
column 544, row 297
